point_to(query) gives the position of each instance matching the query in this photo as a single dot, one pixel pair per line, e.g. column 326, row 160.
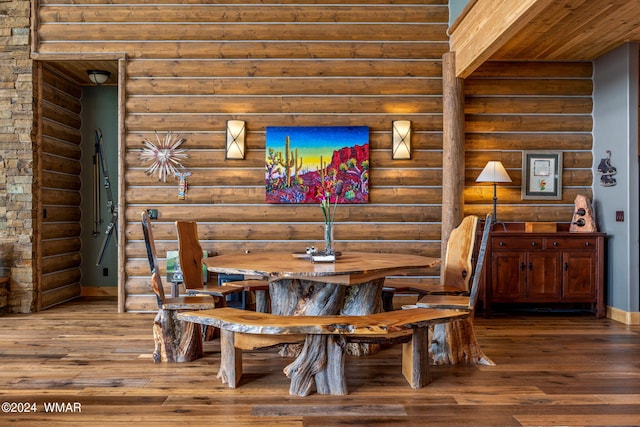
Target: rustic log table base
column 359, row 300
column 320, row 358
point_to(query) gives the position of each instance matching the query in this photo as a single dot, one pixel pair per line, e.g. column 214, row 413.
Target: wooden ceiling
column 77, row 70
column 544, row 30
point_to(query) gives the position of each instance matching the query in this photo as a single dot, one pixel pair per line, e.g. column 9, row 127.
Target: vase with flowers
column 327, row 193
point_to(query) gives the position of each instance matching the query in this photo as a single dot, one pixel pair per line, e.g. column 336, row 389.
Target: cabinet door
column 507, row 275
column 544, row 276
column 578, row 275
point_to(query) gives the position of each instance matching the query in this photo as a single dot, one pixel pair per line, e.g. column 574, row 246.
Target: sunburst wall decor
column 166, row 156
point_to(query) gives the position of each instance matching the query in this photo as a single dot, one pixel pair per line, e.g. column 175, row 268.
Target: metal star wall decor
column 166, row 157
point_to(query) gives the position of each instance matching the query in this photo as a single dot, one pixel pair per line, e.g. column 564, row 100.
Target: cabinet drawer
column 572, row 243
column 526, row 243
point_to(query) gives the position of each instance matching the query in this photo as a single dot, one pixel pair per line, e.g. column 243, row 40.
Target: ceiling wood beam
column 486, row 27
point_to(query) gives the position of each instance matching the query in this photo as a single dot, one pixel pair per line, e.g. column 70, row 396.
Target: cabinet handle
column 588, row 244
column 530, row 266
column 555, row 243
column 501, row 243
column 522, row 266
column 566, row 266
column 533, row 243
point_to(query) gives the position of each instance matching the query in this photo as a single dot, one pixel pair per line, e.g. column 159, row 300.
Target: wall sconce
column 98, row 76
column 494, row 172
column 235, row 139
column 401, row 140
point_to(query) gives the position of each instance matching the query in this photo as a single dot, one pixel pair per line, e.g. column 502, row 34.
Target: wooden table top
column 350, row 268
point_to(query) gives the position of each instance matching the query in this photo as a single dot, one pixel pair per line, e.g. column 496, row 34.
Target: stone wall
column 17, row 154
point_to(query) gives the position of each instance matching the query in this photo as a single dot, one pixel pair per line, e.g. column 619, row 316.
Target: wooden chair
column 175, row 340
column 190, row 254
column 456, row 271
column 468, row 348
column 256, row 294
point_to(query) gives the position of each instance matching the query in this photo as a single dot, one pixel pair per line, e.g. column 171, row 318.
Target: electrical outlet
column 105, row 272
column 619, row 216
column 153, row 213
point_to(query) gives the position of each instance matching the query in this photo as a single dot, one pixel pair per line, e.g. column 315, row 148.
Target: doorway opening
column 99, row 190
column 71, row 195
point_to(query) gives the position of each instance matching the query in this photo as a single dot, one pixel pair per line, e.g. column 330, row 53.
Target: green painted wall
column 99, row 110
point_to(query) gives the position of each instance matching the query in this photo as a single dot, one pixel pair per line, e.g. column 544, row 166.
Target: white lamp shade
column 494, row 171
column 401, row 140
column 98, row 76
column 235, row 139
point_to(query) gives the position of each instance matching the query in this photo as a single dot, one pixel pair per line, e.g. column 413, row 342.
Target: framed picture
column 301, row 160
column 542, row 175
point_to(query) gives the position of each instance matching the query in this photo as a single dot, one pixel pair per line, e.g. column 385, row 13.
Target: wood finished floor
column 551, row 370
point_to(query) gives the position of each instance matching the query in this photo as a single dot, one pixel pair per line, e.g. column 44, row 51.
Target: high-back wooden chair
column 462, row 330
column 463, row 302
column 455, row 272
column 190, row 255
column 175, row 340
column 457, row 268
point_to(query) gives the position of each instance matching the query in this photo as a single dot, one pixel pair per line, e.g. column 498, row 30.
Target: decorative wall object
column 165, row 156
column 583, row 219
column 542, row 175
column 183, row 185
column 607, row 171
column 298, row 157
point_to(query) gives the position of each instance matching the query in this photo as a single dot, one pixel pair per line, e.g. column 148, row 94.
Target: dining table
column 351, row 285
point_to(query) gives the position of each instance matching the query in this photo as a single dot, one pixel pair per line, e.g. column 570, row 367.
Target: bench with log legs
column 241, row 329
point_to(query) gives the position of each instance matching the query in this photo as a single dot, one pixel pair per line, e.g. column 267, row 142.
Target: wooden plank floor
column 551, row 370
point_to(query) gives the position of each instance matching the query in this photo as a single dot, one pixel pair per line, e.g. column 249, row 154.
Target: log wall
column 511, row 107
column 59, row 109
column 192, row 66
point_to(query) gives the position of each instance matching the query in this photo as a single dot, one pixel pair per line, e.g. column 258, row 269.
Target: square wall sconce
column 401, row 140
column 235, row 139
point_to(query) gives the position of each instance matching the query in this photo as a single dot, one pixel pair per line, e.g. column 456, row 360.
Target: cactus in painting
column 290, row 161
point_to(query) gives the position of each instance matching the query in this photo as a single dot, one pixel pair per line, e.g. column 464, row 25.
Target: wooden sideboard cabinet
column 544, row 268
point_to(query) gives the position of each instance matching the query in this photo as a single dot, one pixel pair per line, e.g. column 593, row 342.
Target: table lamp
column 494, row 172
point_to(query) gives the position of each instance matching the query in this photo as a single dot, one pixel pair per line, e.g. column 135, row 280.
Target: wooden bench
column 244, row 330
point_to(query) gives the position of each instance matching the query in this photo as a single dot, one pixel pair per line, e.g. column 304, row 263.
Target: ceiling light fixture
column 98, row 76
